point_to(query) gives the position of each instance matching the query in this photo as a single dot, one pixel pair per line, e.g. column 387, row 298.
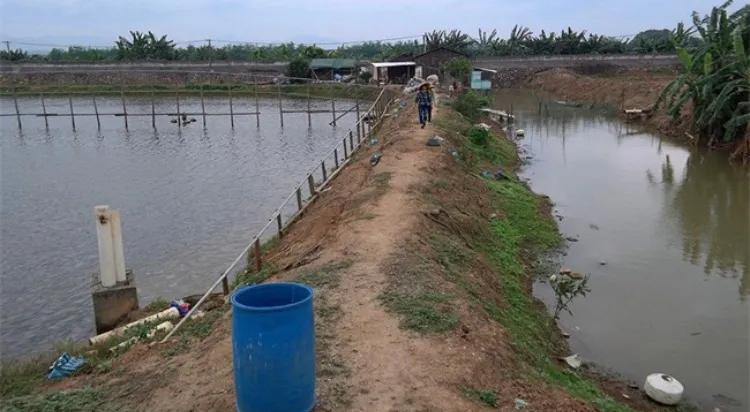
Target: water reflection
column 711, row 204
column 672, row 224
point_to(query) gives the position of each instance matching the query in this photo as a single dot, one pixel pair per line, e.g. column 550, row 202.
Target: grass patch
column 487, row 397
column 428, row 312
column 251, row 278
column 201, row 328
column 86, row 399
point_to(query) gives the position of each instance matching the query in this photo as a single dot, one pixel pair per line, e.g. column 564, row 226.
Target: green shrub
column 478, row 136
column 469, row 103
column 299, row 67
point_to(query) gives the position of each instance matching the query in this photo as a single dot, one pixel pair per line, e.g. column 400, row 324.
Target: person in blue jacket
column 424, row 104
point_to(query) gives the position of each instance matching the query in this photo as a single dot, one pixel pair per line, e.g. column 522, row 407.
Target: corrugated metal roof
column 393, row 64
column 332, row 63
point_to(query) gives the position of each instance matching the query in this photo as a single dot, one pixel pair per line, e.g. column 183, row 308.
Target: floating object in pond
column 520, row 132
column 571, row 239
column 663, row 388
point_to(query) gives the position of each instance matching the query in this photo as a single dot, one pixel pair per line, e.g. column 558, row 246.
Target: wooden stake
column 153, row 111
column 203, row 108
column 346, row 154
column 72, row 115
column 231, row 108
column 122, row 99
column 311, row 185
column 279, row 226
column 336, row 157
column 323, row 168
column 333, row 111
column 44, row 111
column 351, row 141
column 225, row 286
column 179, row 120
column 18, row 114
column 299, row 199
column 258, row 261
column 309, row 115
column 96, row 113
column 257, row 104
column 281, row 109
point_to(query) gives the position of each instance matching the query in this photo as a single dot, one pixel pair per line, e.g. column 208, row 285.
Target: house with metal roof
column 330, row 69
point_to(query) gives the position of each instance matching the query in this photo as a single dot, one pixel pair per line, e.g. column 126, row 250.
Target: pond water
column 190, row 199
column 671, row 224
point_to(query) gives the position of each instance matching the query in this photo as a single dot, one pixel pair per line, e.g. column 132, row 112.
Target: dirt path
column 367, row 232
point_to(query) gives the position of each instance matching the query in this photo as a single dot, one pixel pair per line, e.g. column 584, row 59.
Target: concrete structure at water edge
column 113, row 292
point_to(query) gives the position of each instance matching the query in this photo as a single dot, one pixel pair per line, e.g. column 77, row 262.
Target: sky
column 99, row 22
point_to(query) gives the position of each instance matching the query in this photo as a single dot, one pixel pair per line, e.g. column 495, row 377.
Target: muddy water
column 190, row 200
column 672, row 225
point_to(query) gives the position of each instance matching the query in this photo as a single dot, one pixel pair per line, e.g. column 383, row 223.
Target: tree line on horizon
column 521, row 42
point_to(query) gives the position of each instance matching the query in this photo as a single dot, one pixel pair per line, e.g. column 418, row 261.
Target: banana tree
column 715, row 78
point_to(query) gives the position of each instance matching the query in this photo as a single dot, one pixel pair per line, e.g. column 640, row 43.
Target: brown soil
column 374, row 231
column 628, row 89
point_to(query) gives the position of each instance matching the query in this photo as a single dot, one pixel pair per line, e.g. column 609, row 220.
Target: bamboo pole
column 44, row 111
column 153, row 111
column 96, row 113
column 336, row 157
column 299, row 199
column 351, row 141
column 203, row 107
column 72, row 114
column 323, row 168
column 231, row 108
column 346, row 154
column 359, row 132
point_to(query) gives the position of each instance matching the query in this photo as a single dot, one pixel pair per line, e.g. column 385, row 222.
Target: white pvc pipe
column 107, row 274
column 171, row 313
column 118, row 254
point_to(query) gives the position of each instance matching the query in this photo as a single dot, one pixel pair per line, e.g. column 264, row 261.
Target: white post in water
column 107, row 271
column 119, row 255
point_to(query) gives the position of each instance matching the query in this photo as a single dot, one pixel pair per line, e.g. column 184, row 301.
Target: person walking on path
column 424, row 104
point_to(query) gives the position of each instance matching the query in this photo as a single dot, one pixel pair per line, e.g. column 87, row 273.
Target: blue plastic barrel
column 273, row 347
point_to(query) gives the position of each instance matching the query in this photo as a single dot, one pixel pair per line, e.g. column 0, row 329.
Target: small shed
column 393, row 72
column 432, row 61
column 481, row 79
column 328, row 69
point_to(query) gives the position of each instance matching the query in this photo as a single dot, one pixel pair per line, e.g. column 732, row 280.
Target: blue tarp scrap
column 65, row 366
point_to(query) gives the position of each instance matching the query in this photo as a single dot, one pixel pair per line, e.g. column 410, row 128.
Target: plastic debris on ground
column 65, row 366
column 375, row 158
column 373, row 141
column 435, row 141
column 574, row 361
column 520, row 403
column 484, row 126
column 181, row 306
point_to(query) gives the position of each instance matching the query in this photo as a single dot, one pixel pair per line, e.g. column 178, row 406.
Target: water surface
column 672, row 225
column 190, row 200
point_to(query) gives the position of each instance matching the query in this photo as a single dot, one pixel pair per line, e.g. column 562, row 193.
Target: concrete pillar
column 119, row 255
column 114, row 293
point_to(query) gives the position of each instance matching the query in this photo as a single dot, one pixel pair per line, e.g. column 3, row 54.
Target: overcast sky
column 99, row 22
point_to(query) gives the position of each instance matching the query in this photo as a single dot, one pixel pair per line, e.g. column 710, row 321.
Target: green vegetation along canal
column 662, row 229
